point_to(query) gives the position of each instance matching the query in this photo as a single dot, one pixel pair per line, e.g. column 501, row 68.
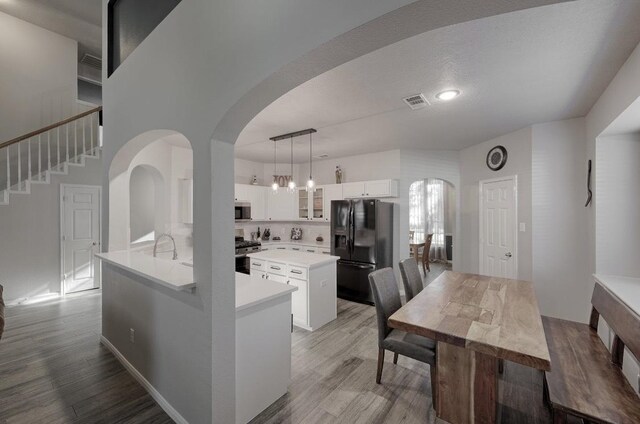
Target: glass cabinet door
column 303, row 204
column 318, row 204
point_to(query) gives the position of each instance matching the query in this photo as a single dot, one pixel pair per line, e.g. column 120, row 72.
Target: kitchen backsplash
column 310, row 230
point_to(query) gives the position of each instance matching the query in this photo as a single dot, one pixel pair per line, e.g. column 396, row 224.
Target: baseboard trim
column 166, row 406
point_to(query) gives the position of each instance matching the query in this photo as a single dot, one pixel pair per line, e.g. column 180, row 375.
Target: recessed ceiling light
column 447, row 95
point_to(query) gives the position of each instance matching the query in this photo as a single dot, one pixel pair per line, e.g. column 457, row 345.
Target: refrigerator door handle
column 352, row 229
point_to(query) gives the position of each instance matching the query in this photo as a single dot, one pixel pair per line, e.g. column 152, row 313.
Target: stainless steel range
column 243, row 247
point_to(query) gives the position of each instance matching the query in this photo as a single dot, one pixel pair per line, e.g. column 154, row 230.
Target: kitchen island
column 314, row 304
column 157, row 296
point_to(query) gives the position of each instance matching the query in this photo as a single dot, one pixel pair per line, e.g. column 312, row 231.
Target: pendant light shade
column 311, row 185
column 274, row 185
column 292, row 183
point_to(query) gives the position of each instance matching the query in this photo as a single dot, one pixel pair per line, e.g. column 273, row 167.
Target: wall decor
column 589, row 192
column 282, row 180
column 338, row 175
column 497, row 158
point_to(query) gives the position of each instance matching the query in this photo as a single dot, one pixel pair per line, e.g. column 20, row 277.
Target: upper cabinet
column 330, row 193
column 376, row 188
column 311, row 204
column 256, row 196
column 281, row 205
column 185, row 201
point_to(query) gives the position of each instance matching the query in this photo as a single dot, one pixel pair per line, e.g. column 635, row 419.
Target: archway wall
column 206, row 71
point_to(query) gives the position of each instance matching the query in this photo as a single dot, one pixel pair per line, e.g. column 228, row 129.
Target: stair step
column 42, row 178
column 77, row 161
column 22, row 188
column 61, row 169
column 4, row 197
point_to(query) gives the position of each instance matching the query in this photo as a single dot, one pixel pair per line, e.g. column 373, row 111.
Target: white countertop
column 303, row 259
column 171, row 274
column 318, row 244
column 251, row 291
column 627, row 289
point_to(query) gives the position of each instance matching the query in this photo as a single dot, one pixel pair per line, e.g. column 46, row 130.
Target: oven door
column 243, row 265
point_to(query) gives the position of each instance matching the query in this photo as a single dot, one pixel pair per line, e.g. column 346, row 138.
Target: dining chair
column 411, row 278
column 386, row 296
column 425, row 253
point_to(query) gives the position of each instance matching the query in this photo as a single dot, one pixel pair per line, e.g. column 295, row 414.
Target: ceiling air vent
column 91, row 60
column 416, row 101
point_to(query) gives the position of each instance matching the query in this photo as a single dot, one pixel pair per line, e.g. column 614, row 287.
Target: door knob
column 508, row 254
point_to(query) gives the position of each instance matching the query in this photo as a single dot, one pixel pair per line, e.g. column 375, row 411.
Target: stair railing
column 56, row 146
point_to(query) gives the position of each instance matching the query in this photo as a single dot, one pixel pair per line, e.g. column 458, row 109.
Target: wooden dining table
column 476, row 321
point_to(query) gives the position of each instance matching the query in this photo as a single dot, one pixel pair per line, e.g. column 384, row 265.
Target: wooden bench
column 586, row 380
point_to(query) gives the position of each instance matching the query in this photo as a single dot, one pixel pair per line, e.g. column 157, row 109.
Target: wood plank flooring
column 53, row 368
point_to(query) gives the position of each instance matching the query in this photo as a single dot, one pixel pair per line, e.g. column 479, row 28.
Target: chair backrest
column 1, row 312
column 386, row 296
column 427, row 242
column 411, row 278
column 623, row 322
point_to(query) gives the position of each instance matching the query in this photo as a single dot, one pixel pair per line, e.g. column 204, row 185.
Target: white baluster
column 8, row 170
column 39, row 157
column 48, row 151
column 58, row 147
column 91, row 129
column 29, row 161
column 84, row 145
column 19, row 166
column 66, row 131
column 75, row 141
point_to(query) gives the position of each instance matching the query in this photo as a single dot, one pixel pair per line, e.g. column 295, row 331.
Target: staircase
column 34, row 157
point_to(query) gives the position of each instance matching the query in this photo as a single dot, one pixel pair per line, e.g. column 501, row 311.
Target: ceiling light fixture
column 311, row 185
column 292, row 183
column 274, row 185
column 447, row 95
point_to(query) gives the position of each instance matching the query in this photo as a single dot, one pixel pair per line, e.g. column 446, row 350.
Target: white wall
column 560, row 241
column 245, row 61
column 38, row 77
column 30, row 234
column 142, row 204
column 473, row 169
column 618, row 205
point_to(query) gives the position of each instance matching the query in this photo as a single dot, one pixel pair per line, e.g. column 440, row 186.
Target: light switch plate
column 523, row 227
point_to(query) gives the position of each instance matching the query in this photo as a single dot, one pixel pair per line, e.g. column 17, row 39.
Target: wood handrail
column 49, row 127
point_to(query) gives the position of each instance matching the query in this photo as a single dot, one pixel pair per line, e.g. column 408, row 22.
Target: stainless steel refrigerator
column 362, row 236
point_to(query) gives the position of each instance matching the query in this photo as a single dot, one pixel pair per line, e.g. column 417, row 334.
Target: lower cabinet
column 314, row 303
column 299, row 301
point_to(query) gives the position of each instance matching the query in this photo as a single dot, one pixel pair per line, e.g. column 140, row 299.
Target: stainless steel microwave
column 243, row 211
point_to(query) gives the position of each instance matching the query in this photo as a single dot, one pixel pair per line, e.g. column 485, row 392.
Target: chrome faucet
column 155, row 246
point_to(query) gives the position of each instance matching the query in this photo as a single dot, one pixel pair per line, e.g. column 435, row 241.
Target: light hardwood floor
column 54, row 370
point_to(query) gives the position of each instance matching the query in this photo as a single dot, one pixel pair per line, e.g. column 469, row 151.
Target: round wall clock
column 497, row 158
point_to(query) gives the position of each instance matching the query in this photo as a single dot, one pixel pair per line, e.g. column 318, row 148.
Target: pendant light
column 311, row 185
column 292, row 183
column 274, row 185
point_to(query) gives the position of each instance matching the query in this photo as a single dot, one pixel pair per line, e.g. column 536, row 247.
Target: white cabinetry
column 311, row 204
column 377, row 188
column 281, row 205
column 185, row 201
column 314, row 303
column 256, row 196
column 331, row 192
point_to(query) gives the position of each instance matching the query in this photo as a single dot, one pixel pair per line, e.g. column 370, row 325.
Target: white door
column 498, row 228
column 80, row 233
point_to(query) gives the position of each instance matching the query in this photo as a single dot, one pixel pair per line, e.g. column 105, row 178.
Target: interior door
column 80, row 232
column 498, row 228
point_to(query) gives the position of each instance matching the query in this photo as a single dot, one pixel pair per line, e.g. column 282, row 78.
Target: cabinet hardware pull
column 296, row 272
column 277, row 268
column 253, row 263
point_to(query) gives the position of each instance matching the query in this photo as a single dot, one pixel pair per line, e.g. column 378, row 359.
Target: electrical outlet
column 132, row 335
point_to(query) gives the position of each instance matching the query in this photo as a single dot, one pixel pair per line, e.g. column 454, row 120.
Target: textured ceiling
column 80, row 20
column 514, row 70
